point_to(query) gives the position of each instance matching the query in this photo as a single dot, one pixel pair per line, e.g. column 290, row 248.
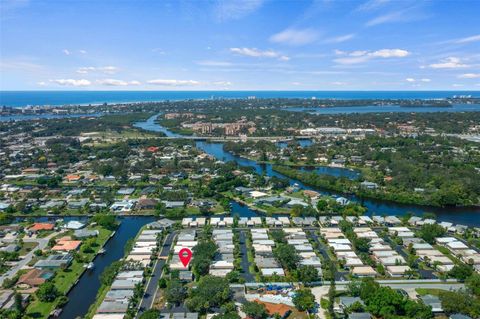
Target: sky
column 239, row 45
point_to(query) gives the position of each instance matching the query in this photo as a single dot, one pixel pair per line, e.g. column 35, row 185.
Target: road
column 338, row 275
column 152, row 284
column 244, row 262
column 42, row 244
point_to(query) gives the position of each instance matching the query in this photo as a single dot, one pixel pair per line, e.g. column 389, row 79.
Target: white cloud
column 294, row 36
column 66, row 52
column 456, row 85
column 411, row 80
column 339, row 83
column 253, row 52
column 390, row 53
column 355, row 57
column 469, row 76
column 42, row 83
column 341, row 38
column 114, row 82
column 104, row 69
column 235, row 9
column 473, row 38
column 165, row 82
column 83, row 51
column 448, row 63
column 72, row 82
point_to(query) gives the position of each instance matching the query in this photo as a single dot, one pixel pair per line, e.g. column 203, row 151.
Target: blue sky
column 239, row 45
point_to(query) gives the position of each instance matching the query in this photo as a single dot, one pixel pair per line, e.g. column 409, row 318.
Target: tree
column 287, row 256
column 254, row 310
column 229, row 315
column 47, row 292
column 429, row 232
column 304, row 299
column 210, row 292
column 307, row 274
column 455, row 302
column 5, row 218
column 354, row 287
column 461, row 271
column 150, row 314
column 106, row 221
column 473, row 284
column 203, row 255
column 175, row 292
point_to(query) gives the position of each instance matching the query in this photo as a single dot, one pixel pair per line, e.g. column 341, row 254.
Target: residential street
column 244, row 263
column 152, row 284
column 42, row 244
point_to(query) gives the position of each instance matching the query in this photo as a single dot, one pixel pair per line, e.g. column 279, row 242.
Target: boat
column 90, row 265
column 101, row 251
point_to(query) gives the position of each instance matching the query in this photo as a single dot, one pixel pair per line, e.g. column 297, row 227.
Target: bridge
column 239, row 138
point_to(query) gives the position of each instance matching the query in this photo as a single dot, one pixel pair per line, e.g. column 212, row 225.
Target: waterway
column 83, row 294
column 457, row 215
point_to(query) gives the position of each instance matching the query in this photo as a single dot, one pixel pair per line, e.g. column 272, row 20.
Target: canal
column 458, row 215
column 83, row 294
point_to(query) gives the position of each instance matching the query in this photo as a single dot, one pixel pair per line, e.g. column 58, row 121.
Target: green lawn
column 429, row 291
column 64, row 279
column 26, row 248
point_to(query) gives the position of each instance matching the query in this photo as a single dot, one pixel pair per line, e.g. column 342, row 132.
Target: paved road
column 42, row 244
column 244, row 262
column 152, row 285
column 424, row 273
column 338, row 275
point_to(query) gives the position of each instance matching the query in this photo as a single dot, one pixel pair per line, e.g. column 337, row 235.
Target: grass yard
column 65, row 279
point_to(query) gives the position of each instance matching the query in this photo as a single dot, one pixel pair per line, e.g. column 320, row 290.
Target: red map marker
column 185, row 255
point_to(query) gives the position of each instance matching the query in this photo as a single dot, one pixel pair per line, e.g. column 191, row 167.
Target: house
column 41, row 227
column 173, row 204
column 272, row 308
column 434, row 302
column 85, row 233
column 122, row 206
column 368, row 185
column 359, row 315
column 54, row 261
column 66, row 244
column 345, row 302
column 77, row 204
column 34, row 277
column 363, row 271
column 271, row 200
column 126, row 191
column 146, row 204
column 74, row 224
column 397, row 271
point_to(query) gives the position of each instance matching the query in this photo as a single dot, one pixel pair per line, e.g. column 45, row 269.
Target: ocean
column 26, row 98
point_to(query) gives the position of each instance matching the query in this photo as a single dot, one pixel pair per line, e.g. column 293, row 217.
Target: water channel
column 84, row 293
